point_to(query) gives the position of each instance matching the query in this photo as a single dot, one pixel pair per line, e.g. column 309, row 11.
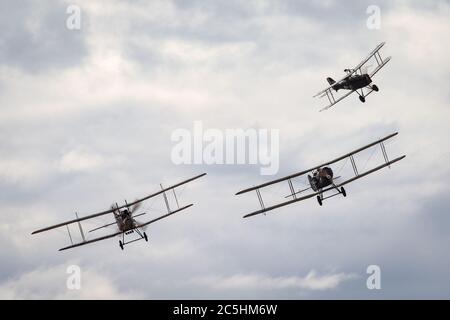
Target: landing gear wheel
column 375, row 88
column 145, row 237
column 121, row 244
column 343, row 192
column 319, row 200
column 362, row 99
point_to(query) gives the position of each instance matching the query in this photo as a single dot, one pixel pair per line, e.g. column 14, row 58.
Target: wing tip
column 248, row 215
column 245, row 191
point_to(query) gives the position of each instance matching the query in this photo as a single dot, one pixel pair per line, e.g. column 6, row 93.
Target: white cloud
column 80, row 159
column 20, row 170
column 83, row 159
column 312, row 281
column 420, row 33
column 50, row 283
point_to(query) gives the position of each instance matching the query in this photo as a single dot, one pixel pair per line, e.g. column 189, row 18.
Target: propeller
column 144, row 228
column 133, row 210
column 135, row 207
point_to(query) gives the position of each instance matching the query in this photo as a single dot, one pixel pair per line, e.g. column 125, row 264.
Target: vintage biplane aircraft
column 357, row 80
column 321, row 179
column 124, row 218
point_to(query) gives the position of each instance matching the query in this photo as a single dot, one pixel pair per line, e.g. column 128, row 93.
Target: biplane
column 357, row 80
column 321, row 179
column 125, row 218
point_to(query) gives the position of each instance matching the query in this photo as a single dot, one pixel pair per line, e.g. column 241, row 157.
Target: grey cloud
column 35, row 38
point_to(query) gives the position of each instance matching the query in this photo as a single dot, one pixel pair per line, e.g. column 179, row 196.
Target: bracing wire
column 370, row 157
column 343, row 166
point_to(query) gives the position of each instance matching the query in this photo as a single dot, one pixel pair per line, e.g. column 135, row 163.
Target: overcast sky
column 87, row 116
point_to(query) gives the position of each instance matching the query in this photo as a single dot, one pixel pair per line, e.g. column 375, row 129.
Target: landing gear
column 362, row 99
column 145, row 237
column 343, row 192
column 121, row 244
column 375, row 88
column 319, row 200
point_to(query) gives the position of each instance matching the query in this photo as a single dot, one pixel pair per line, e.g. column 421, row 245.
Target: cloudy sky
column 87, row 117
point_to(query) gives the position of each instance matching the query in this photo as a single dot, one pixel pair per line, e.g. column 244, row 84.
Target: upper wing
column 316, row 167
column 324, row 190
column 118, row 208
column 120, row 232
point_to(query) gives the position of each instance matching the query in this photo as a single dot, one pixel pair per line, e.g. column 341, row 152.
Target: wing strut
column 261, row 202
column 176, row 199
column 292, row 189
column 383, row 149
column 81, row 229
column 70, row 236
column 355, row 169
column 165, row 197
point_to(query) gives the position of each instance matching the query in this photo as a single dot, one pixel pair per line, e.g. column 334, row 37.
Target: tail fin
column 330, row 81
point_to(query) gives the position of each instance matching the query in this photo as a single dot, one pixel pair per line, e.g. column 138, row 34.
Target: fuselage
column 354, row 82
column 321, row 178
column 125, row 221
